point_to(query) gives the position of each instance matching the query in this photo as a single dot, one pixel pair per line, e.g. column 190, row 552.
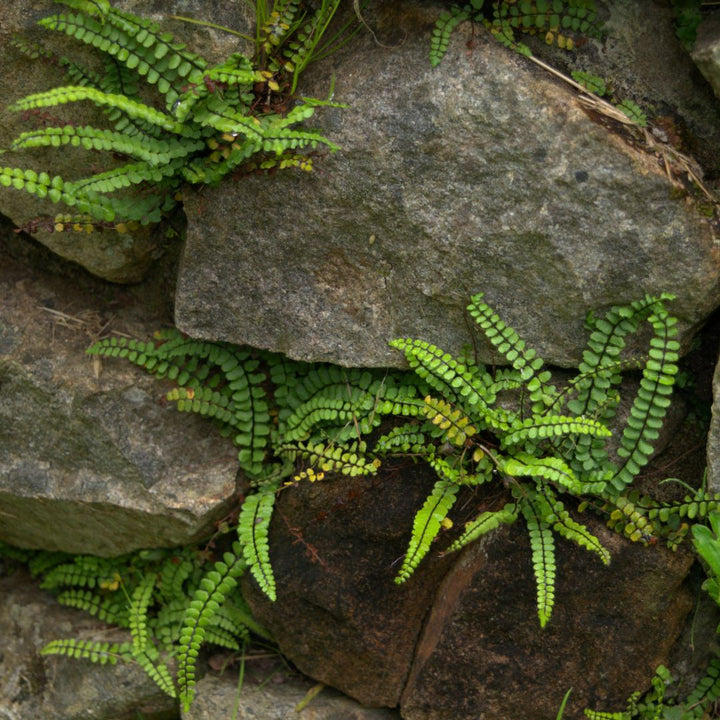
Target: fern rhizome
column 209, row 121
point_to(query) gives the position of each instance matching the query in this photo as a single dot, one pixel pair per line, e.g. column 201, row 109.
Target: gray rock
column 90, row 460
column 706, row 52
column 483, row 174
column 218, row 696
column 713, row 440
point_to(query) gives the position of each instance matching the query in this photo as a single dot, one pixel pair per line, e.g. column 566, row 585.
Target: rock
column 610, row 629
column 218, row 696
column 59, row 688
column 90, row 460
column 461, row 638
column 713, row 440
column 117, row 257
column 706, row 52
column 483, row 174
column 356, row 630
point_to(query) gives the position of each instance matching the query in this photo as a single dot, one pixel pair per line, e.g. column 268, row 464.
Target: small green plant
column 599, row 86
column 560, row 22
column 210, row 120
column 149, row 594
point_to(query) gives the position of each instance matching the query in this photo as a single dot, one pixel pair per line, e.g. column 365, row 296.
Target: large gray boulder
column 484, row 174
column 90, row 459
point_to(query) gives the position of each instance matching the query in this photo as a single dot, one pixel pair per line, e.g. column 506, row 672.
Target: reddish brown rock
column 461, row 638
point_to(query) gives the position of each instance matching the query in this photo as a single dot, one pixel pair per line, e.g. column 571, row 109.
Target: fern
column 213, row 590
column 253, row 530
column 561, row 22
column 204, row 108
column 98, row 652
column 541, row 444
column 535, row 511
column 426, row 526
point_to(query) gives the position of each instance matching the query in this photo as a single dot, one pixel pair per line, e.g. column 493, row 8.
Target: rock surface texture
column 483, row 174
column 478, row 649
column 90, row 460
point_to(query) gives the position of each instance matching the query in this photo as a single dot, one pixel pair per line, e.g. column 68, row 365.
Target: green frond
column 525, row 360
column 426, row 525
column 77, row 93
column 158, row 672
column 574, row 531
column 548, row 468
column 455, row 423
column 535, row 511
column 707, row 690
column 653, row 398
column 350, row 460
column 444, row 26
column 108, row 609
column 452, row 379
column 213, row 590
column 155, row 153
column 552, row 426
column 253, row 529
column 83, row 571
column 407, row 438
column 483, row 524
column 138, row 612
column 103, row 653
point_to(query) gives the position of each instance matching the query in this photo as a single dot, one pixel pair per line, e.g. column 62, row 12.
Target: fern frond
column 444, row 26
column 407, row 438
column 426, row 525
column 652, row 400
column 107, row 609
column 153, row 152
column 563, row 524
column 525, row 360
column 350, row 460
column 138, row 612
column 132, row 108
column 253, row 529
column 158, row 672
column 483, row 524
column 454, row 422
column 213, row 589
column 552, row 426
column 543, row 468
column 535, row 511
column 707, row 690
column 98, row 652
column 452, row 379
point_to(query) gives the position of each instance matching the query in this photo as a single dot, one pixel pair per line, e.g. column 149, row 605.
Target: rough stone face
column 353, row 630
column 481, row 652
column 483, row 174
column 90, row 461
column 713, row 441
column 122, row 258
column 217, row 696
column 706, row 52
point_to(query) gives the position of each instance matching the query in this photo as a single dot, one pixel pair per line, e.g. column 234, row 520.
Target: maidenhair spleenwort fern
column 560, row 22
column 210, row 119
column 156, row 595
column 549, row 447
